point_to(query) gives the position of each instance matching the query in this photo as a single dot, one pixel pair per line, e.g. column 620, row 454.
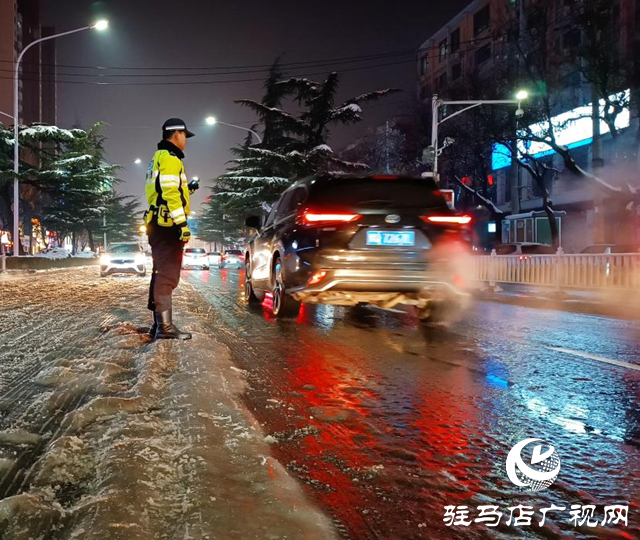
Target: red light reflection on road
column 342, row 448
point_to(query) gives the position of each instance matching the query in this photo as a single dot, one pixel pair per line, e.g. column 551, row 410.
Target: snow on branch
column 487, row 202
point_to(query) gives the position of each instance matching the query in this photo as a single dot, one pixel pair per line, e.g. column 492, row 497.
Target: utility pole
column 386, row 147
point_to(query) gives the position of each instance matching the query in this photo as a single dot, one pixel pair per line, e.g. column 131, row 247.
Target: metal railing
column 579, row 271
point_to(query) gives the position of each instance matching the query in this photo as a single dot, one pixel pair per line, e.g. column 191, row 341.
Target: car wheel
column 284, row 306
column 249, row 293
column 142, row 274
column 103, row 274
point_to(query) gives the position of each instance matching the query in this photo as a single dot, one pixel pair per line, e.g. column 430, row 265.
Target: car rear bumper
column 195, row 264
column 349, row 286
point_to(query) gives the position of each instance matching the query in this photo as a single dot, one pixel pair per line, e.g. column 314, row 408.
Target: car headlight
column 140, row 259
column 105, row 259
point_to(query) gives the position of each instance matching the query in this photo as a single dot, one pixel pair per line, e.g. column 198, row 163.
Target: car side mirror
column 253, row 222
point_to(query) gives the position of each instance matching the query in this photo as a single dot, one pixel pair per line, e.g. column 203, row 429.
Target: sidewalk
column 620, row 304
column 107, row 435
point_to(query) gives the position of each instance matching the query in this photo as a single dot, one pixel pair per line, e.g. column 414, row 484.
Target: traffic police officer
column 167, row 193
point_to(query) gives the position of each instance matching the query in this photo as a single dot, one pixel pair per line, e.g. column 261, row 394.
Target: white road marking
column 597, row 358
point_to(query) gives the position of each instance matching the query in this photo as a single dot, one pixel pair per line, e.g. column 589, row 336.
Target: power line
column 203, row 74
column 243, row 68
column 188, row 83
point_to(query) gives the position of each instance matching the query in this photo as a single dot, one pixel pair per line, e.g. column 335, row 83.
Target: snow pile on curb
column 152, row 442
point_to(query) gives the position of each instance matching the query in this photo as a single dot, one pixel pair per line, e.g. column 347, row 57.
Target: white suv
column 123, row 258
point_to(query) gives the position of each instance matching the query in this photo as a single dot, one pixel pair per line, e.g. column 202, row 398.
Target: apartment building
column 20, row 24
column 480, row 44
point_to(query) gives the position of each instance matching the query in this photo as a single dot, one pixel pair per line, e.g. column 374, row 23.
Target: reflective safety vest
column 166, row 190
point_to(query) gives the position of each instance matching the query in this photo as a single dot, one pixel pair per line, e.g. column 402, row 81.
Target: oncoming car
column 381, row 240
column 195, row 258
column 123, row 258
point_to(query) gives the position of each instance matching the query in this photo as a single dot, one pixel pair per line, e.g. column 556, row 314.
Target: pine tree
column 78, row 184
column 294, row 146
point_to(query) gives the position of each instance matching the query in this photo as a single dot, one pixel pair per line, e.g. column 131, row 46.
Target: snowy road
column 355, row 424
column 386, row 423
column 105, row 435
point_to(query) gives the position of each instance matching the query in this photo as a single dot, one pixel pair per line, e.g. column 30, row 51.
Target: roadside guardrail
column 571, row 271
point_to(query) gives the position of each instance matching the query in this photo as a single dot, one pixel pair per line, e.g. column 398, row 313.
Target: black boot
column 166, row 328
column 154, row 326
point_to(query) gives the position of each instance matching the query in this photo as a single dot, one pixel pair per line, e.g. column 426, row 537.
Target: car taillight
column 447, row 220
column 317, row 218
column 317, row 277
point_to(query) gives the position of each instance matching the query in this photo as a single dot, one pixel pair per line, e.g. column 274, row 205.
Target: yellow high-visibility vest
column 166, row 190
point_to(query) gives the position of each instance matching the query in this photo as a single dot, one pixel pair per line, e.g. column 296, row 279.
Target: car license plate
column 391, row 238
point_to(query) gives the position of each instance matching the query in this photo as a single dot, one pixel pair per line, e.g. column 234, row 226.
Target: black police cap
column 177, row 124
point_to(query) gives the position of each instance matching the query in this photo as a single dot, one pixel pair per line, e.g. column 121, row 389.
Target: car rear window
column 233, row 252
column 594, row 249
column 537, row 250
column 506, row 249
column 214, row 253
column 376, row 192
column 194, row 250
column 625, row 248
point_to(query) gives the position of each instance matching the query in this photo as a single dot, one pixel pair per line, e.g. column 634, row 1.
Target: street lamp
column 99, row 25
column 212, row 121
column 470, row 104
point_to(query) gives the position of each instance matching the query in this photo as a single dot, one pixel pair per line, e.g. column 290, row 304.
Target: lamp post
column 436, row 103
column 100, row 25
column 212, row 121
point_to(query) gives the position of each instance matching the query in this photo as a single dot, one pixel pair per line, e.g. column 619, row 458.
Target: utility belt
column 159, row 215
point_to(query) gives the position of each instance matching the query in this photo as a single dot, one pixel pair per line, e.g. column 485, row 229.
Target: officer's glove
column 185, row 233
column 193, row 186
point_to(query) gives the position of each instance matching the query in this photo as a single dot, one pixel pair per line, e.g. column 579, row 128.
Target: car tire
column 284, row 306
column 142, row 274
column 249, row 293
column 103, row 274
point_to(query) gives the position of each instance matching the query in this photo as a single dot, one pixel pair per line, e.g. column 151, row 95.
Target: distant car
column 525, row 248
column 215, row 259
column 123, row 258
column 611, row 248
column 233, row 257
column 195, row 258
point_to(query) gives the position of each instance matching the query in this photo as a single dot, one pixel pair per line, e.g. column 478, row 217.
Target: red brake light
column 451, row 220
column 317, row 277
column 310, row 218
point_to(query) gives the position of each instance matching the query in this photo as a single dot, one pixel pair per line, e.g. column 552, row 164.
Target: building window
column 442, row 81
column 455, row 40
column 456, row 72
column 481, row 20
column 483, row 54
column 442, row 50
column 424, row 65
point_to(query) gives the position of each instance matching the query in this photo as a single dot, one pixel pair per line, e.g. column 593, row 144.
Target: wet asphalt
column 386, row 421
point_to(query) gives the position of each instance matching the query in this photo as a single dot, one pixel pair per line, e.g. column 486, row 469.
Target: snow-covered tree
column 294, row 145
column 123, row 217
column 77, row 184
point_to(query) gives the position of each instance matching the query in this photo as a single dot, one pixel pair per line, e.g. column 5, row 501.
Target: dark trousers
column 166, row 251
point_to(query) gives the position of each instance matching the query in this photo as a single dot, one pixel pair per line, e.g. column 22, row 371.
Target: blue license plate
column 391, row 238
